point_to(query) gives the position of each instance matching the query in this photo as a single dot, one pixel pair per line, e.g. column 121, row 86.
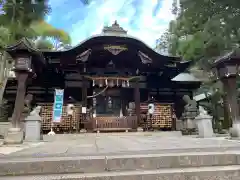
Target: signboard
column 58, row 105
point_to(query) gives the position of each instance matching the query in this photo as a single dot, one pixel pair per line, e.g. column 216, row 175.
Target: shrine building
column 113, row 74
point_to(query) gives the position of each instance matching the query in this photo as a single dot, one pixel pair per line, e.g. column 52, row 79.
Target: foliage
column 46, row 31
column 25, row 18
column 18, row 15
column 203, row 29
column 44, row 44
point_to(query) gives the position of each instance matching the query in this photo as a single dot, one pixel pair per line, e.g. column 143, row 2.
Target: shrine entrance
column 107, row 79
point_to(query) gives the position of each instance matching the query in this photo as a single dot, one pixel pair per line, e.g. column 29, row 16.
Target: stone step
column 204, row 173
column 101, row 164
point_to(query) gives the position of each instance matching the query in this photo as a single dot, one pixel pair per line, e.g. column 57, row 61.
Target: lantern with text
column 23, row 64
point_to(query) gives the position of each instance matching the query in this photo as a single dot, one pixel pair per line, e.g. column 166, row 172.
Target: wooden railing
column 109, row 123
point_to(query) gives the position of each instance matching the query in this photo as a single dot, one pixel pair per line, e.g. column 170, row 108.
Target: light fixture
column 93, row 83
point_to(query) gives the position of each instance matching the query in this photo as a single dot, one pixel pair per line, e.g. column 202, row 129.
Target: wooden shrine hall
column 113, row 75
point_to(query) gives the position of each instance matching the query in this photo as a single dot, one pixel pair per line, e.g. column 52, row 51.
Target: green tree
column 202, row 31
column 25, row 18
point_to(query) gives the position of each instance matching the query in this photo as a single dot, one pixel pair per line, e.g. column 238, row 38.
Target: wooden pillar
column 123, row 101
column 227, row 123
column 137, row 101
column 84, row 92
column 19, row 102
column 174, row 123
column 84, row 101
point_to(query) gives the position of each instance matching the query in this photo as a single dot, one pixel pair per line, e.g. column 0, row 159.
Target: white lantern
column 151, row 109
column 70, row 108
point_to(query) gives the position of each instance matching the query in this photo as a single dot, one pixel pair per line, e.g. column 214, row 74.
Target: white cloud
column 146, row 26
column 166, row 11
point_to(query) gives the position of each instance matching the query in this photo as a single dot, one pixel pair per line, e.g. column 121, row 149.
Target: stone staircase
column 178, row 166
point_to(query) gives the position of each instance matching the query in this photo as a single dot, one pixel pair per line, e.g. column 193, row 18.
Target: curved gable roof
column 117, row 33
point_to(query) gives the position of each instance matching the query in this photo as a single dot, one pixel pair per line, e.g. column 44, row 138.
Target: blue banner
column 58, row 105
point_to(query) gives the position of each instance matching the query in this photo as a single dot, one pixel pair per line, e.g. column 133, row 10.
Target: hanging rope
column 112, row 78
column 95, row 95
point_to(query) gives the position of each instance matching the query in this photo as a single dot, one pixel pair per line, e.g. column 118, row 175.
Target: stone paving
column 117, row 143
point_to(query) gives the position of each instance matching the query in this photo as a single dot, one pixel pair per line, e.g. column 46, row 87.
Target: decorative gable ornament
column 115, row 28
column 144, row 58
column 83, row 57
column 115, row 49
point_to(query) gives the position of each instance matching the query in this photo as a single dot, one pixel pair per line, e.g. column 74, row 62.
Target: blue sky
column 144, row 19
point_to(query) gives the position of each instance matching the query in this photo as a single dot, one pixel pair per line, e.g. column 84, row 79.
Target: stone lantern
column 28, row 63
column 227, row 69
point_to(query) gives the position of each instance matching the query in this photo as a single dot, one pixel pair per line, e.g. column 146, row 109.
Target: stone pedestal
column 83, row 131
column 204, row 126
column 179, row 125
column 139, row 129
column 189, row 124
column 33, row 128
column 14, row 136
column 235, row 130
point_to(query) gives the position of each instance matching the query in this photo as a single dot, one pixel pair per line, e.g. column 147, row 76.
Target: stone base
column 179, row 125
column 235, row 130
column 189, row 124
column 41, row 137
column 139, row 129
column 205, row 129
column 14, row 136
column 83, row 131
column 33, row 128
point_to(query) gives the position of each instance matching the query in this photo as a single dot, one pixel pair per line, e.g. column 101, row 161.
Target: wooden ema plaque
column 162, row 117
column 65, row 124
